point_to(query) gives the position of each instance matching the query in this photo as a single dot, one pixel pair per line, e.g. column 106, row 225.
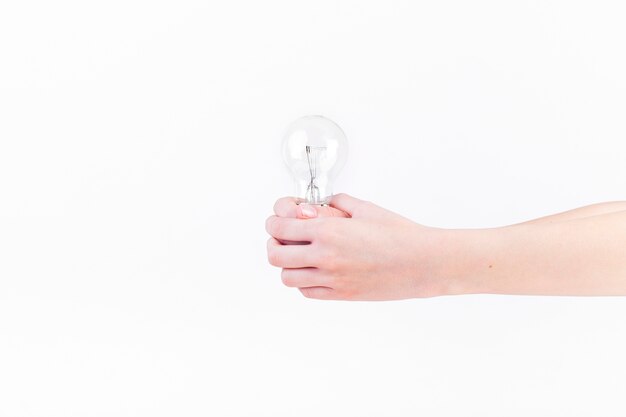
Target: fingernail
column 308, row 211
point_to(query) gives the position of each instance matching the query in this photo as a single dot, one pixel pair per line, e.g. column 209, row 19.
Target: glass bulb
column 314, row 149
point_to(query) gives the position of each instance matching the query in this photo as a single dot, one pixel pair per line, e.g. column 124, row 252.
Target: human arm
column 378, row 255
column 581, row 256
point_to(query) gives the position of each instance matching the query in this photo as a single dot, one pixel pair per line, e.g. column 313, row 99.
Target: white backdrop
column 139, row 158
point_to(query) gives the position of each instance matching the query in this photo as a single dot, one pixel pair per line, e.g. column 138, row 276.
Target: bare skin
column 355, row 250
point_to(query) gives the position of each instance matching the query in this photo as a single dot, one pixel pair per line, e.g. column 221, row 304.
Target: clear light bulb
column 314, row 149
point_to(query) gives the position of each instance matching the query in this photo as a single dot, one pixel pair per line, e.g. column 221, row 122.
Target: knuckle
column 363, row 206
column 286, row 278
column 349, row 293
column 278, row 205
column 274, row 258
column 308, row 292
column 272, row 226
column 285, row 207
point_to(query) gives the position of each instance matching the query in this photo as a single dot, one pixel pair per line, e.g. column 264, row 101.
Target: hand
column 354, row 250
column 287, row 207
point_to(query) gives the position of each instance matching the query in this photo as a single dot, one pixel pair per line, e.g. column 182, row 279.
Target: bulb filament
column 313, row 155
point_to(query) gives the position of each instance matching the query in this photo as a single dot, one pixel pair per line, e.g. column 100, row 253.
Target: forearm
column 583, row 256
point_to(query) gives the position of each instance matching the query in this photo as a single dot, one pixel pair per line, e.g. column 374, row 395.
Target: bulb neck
column 316, row 192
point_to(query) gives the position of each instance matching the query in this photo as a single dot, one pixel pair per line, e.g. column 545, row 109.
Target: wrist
column 465, row 260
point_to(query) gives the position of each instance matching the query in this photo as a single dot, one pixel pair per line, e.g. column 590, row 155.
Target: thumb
column 346, row 203
column 306, row 211
column 310, row 211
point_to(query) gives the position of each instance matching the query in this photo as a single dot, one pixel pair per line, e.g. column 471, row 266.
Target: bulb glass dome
column 314, row 149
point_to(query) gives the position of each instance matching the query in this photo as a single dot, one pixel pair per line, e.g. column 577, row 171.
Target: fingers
column 289, row 256
column 289, row 229
column 310, row 281
column 320, row 293
column 346, row 203
column 303, row 277
column 287, row 207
